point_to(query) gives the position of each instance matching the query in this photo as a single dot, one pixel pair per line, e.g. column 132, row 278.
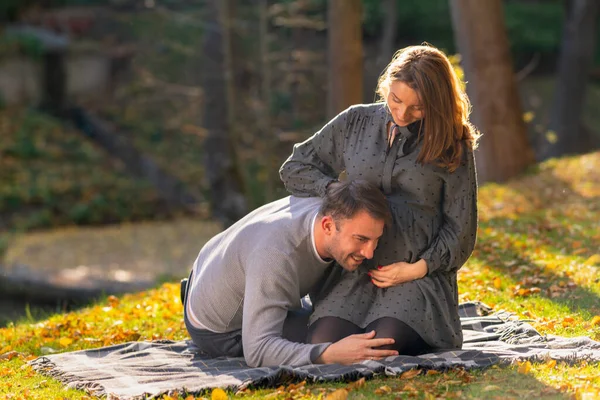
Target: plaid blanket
column 141, row 370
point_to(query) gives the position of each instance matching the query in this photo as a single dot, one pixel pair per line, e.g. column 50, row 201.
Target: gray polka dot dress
column 434, row 214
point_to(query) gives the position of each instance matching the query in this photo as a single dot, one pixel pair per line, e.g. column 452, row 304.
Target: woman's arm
column 317, row 161
column 456, row 238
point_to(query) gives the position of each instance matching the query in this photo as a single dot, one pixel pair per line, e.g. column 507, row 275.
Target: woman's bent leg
column 407, row 340
column 331, row 329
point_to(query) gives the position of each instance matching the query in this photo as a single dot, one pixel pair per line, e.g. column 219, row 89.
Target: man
column 247, row 280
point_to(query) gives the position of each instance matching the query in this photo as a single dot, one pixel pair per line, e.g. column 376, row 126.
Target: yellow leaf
column 551, row 363
column 524, row 367
column 497, row 282
column 551, row 137
column 340, row 394
column 64, row 342
column 596, row 320
column 218, row 394
column 595, row 259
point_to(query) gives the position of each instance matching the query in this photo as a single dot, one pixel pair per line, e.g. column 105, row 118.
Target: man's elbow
column 255, row 357
column 253, row 361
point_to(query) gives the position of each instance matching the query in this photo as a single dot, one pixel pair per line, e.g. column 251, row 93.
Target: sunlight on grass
column 538, row 256
column 116, row 249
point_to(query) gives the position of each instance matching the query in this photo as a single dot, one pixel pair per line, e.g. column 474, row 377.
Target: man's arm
column 271, row 290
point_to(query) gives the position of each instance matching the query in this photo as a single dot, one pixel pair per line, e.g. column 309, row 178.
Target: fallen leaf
column 595, row 259
column 383, row 390
column 410, row 374
column 356, row 385
column 339, row 394
column 497, row 282
column 524, row 367
column 596, row 320
column 64, row 342
column 218, row 394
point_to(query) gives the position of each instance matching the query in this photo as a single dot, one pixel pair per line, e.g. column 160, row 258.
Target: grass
column 538, row 255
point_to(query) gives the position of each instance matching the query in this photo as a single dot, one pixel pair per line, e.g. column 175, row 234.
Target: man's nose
column 368, row 250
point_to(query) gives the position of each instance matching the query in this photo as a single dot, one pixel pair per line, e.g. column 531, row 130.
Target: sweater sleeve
column 456, row 238
column 318, row 160
column 271, row 290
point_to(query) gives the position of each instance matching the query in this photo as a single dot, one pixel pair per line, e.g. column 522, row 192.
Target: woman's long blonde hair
column 446, row 106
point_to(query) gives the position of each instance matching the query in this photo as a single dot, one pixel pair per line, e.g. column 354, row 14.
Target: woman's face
column 404, row 104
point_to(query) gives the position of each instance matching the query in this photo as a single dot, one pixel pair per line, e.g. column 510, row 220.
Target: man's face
column 353, row 240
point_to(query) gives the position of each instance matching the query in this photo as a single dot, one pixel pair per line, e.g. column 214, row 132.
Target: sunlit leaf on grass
column 339, row 394
column 218, row 394
column 524, row 367
column 593, row 260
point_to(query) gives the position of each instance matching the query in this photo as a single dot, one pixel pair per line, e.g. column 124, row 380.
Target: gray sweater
column 250, row 275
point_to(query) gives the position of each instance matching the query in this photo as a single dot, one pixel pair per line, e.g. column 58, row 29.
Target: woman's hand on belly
column 397, row 273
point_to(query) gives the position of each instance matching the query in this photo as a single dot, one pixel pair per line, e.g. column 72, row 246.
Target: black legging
column 332, row 329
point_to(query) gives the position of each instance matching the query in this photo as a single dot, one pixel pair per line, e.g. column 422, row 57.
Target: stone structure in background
column 64, row 64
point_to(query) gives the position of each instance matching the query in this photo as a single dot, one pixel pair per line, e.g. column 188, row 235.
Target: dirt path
column 84, row 262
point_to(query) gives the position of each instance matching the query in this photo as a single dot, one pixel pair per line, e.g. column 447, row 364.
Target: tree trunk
column 54, row 94
column 504, row 150
column 221, row 168
column 388, row 38
column 576, row 57
column 345, row 55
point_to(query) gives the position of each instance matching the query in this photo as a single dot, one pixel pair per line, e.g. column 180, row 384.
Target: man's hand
column 397, row 273
column 356, row 348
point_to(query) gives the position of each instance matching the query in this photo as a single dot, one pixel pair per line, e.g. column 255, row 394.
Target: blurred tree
column 388, row 38
column 268, row 142
column 345, row 55
column 504, row 150
column 221, row 166
column 567, row 132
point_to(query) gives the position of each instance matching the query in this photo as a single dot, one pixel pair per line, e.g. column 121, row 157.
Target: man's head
column 352, row 217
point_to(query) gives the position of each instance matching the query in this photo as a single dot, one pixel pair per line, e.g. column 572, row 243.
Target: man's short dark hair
column 344, row 199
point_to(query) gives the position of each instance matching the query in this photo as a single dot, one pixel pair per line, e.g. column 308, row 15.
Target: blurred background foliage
column 51, row 175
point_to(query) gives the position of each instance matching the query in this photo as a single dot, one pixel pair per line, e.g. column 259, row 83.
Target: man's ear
column 328, row 224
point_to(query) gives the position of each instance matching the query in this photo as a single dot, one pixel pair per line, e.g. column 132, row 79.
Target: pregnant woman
column 416, row 143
